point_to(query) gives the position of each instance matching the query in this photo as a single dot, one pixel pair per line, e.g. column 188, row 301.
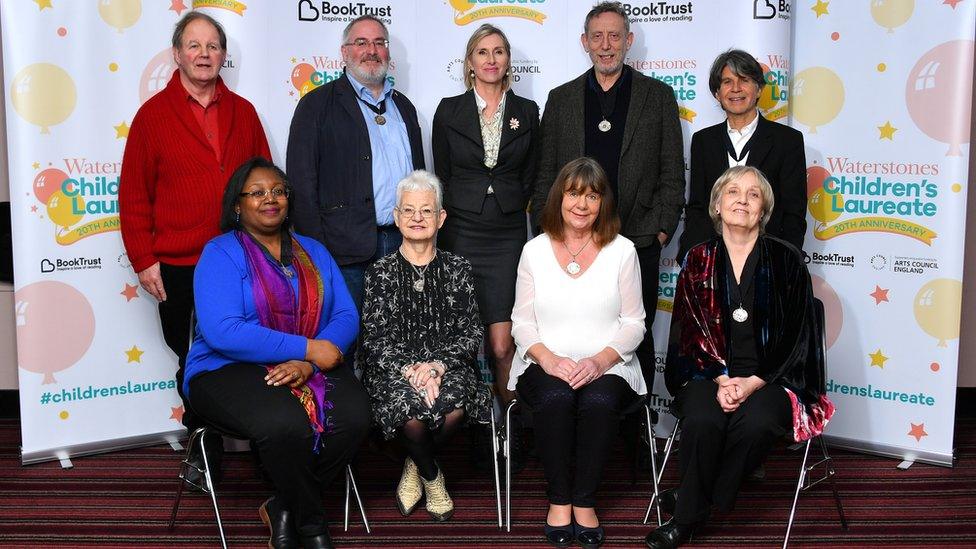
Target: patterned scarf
column 277, row 309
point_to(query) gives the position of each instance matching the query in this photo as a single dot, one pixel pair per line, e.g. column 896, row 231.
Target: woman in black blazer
column 484, row 144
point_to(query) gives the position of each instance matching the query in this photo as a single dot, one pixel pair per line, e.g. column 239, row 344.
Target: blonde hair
column 481, row 32
column 730, row 175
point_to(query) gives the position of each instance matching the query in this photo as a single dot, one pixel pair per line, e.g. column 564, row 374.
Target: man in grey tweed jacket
column 629, row 123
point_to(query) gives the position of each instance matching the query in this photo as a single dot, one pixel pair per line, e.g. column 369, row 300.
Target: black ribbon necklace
column 730, row 148
column 607, row 100
column 378, row 111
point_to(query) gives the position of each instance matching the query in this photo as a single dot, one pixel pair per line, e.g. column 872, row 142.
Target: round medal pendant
column 380, row 119
column 418, row 285
column 740, row 315
column 604, row 126
column 573, row 268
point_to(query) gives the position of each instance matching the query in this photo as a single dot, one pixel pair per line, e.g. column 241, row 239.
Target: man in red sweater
column 183, row 145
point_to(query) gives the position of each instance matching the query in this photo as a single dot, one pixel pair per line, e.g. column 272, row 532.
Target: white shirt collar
column 746, row 130
column 481, row 103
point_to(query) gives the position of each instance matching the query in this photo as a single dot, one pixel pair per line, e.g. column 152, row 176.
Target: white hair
column 420, row 181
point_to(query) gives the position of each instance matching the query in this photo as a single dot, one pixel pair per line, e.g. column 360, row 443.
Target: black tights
column 421, row 442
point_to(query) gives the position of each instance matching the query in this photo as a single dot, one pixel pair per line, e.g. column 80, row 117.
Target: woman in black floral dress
column 420, row 339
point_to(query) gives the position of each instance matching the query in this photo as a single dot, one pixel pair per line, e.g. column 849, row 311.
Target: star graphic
column 820, row 8
column 878, row 359
column 134, row 355
column 887, row 131
column 34, row 208
column 879, row 294
column 41, row 4
column 177, row 5
column 36, row 165
column 951, row 3
column 122, row 130
column 917, row 431
column 177, row 414
column 130, row 292
column 293, row 60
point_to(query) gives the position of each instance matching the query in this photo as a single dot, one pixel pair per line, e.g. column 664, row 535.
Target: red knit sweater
column 171, row 183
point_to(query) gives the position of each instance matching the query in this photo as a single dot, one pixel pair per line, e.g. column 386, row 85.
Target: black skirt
column 492, row 241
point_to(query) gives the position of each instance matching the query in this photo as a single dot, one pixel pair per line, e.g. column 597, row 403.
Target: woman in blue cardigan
column 273, row 320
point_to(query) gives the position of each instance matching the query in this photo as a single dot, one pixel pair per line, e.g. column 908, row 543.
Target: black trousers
column 581, row 424
column 174, row 316
column 719, row 449
column 649, row 260
column 236, row 398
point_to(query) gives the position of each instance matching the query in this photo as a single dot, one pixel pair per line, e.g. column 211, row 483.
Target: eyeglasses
column 409, row 211
column 275, row 193
column 380, row 43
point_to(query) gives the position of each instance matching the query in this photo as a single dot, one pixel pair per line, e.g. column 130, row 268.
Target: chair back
column 820, row 327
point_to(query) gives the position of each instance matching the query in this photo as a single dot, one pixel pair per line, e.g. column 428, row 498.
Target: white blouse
column 579, row 317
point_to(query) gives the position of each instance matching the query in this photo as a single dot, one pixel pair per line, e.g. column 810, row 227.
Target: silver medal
column 418, row 284
column 740, row 315
column 573, row 268
column 604, row 126
column 380, row 119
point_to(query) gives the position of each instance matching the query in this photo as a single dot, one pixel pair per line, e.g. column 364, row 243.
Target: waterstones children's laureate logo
column 886, row 197
column 308, row 73
column 343, row 12
column 677, row 73
column 666, row 282
column 229, row 5
column 774, row 100
column 658, row 12
column 469, row 11
column 81, row 200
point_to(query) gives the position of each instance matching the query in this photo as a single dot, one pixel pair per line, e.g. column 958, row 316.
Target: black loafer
column 590, row 538
column 560, row 536
column 321, row 541
column 279, row 520
column 668, row 500
column 669, row 535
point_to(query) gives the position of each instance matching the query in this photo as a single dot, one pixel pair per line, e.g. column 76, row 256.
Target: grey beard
column 368, row 78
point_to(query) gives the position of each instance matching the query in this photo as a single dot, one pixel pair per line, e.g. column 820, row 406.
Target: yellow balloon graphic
column 937, row 306
column 120, row 14
column 43, row 94
column 462, row 5
column 818, row 95
column 769, row 97
column 821, row 205
column 892, row 13
column 61, row 210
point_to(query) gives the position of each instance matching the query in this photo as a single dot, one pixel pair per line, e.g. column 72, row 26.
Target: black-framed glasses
column 275, row 193
column 409, row 211
column 380, row 43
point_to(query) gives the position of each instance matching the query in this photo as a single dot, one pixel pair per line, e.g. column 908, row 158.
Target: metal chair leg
column 507, row 444
column 182, row 475
column 654, row 474
column 345, row 514
column 351, row 482
column 494, row 462
column 668, row 445
column 210, row 488
column 796, row 493
column 833, row 486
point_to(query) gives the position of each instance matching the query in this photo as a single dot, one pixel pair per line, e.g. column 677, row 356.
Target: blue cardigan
column 228, row 329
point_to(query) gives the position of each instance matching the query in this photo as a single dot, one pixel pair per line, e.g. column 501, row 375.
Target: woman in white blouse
column 578, row 318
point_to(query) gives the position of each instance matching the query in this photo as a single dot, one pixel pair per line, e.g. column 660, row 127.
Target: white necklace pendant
column 740, row 315
column 604, row 126
column 418, row 284
column 573, row 268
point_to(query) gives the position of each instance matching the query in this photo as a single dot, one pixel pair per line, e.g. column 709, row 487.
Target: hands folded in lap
column 733, row 391
column 425, row 378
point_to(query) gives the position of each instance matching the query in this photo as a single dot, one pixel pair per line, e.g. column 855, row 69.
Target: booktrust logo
column 468, row 11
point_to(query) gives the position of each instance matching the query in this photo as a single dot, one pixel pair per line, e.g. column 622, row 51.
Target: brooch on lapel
column 513, row 123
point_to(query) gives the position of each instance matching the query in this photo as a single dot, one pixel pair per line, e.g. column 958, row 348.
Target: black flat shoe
column 279, row 520
column 668, row 500
column 589, row 538
column 669, row 535
column 560, row 536
column 321, row 541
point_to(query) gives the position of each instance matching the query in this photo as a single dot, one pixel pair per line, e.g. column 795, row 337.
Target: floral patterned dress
column 403, row 324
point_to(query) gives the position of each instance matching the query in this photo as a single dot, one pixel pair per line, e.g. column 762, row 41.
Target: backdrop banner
column 883, row 94
column 94, row 371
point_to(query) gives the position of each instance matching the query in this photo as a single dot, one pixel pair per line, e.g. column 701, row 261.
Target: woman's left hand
column 424, row 371
column 740, row 388
column 293, row 373
column 587, row 371
column 430, row 390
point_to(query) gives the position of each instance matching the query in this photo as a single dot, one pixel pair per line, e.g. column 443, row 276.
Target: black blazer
column 329, row 165
column 459, row 153
column 777, row 151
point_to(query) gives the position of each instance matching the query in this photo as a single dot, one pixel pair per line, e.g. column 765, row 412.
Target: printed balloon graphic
column 120, row 14
column 156, row 75
column 818, row 96
column 769, row 96
column 47, row 183
column 61, row 209
column 815, row 178
column 892, row 13
column 821, row 204
column 43, row 94
column 938, row 93
column 462, row 5
column 938, row 305
column 833, row 310
column 301, row 74
column 55, row 327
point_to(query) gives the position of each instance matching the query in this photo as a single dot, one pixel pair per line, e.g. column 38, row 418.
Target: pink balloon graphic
column 47, row 183
column 300, row 74
column 815, row 179
column 938, row 93
column 833, row 310
column 55, row 327
column 156, row 75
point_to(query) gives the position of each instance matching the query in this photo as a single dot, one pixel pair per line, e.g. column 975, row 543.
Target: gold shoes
column 409, row 490
column 439, row 503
